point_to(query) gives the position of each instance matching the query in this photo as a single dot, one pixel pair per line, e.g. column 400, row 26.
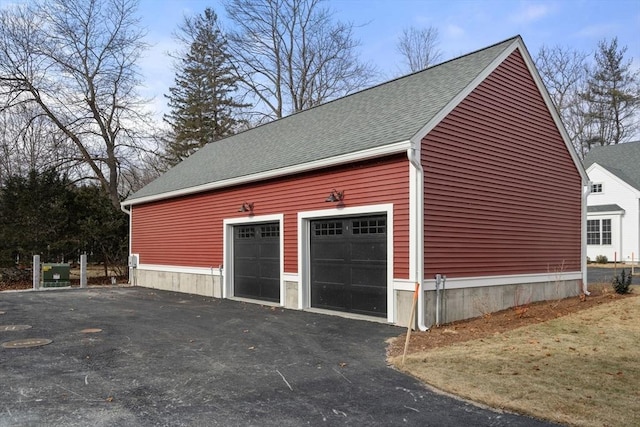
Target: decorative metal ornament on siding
column 335, row 196
column 246, row 207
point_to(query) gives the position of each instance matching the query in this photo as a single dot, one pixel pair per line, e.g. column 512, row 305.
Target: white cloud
column 596, row 31
column 530, row 13
column 454, row 31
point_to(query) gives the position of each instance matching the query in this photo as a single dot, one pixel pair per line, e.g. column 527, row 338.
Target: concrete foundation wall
column 404, row 305
column 291, row 294
column 457, row 304
column 467, row 303
column 199, row 284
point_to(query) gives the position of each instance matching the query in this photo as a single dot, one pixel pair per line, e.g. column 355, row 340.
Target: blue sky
column 463, row 26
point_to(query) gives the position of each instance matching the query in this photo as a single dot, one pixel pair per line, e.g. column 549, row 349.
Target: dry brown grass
column 582, row 369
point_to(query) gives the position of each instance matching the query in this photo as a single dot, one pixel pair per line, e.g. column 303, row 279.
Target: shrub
column 602, row 259
column 588, row 260
column 622, row 282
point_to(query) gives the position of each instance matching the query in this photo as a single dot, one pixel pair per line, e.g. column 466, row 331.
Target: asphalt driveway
column 136, row 356
column 605, row 275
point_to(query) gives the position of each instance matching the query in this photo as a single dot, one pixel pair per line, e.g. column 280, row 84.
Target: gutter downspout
column 586, row 190
column 132, row 281
column 412, row 155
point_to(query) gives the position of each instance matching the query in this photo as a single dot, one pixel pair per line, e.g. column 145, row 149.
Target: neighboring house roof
column 604, row 208
column 378, row 121
column 622, row 160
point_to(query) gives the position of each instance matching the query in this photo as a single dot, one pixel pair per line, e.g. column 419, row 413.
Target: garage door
column 256, row 261
column 349, row 264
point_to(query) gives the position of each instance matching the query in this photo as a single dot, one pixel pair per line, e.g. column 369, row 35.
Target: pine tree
column 612, row 96
column 203, row 108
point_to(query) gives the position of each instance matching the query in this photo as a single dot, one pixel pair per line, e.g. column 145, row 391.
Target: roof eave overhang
column 611, row 212
column 385, row 150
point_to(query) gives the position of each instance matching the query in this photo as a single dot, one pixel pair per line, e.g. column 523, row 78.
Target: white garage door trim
column 228, row 224
column 304, row 252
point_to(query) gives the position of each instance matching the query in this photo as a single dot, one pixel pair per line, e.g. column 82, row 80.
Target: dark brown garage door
column 349, row 264
column 256, row 261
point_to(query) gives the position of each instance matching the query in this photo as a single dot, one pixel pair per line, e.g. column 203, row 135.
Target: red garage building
column 463, row 169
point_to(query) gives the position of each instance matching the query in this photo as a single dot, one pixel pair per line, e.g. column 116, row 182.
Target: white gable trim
column 516, row 45
column 385, row 150
column 613, row 177
column 552, row 110
column 461, row 96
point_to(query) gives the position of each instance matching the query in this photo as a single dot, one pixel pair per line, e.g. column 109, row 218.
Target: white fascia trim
column 227, row 239
column 605, row 213
column 209, row 271
column 395, row 148
column 304, row 252
column 515, row 279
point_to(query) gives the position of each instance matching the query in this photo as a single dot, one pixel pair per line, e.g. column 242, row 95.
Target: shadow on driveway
column 164, row 358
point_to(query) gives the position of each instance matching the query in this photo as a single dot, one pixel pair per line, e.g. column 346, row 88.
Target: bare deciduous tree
column 291, row 55
column 75, row 60
column 419, row 47
column 564, row 73
column 30, row 142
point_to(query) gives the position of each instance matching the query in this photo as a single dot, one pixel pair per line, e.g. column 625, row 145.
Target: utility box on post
column 55, row 275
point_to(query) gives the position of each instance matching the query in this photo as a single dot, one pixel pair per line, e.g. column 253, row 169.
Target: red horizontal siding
column 188, row 231
column 502, row 194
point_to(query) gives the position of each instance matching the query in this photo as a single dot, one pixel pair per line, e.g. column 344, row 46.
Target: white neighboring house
column 613, row 206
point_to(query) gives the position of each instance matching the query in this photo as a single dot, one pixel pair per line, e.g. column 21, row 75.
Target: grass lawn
column 581, row 369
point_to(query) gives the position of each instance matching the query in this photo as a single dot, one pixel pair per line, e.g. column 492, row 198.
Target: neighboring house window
column 596, row 188
column 593, row 232
column 606, row 231
column 598, row 232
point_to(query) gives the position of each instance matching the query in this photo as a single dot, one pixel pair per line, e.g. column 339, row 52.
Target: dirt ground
column 503, row 321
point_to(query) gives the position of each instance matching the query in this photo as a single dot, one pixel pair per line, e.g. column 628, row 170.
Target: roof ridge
column 375, row 86
column 373, row 118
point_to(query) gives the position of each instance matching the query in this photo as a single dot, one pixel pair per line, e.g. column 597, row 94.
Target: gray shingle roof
column 389, row 113
column 622, row 160
column 604, row 208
